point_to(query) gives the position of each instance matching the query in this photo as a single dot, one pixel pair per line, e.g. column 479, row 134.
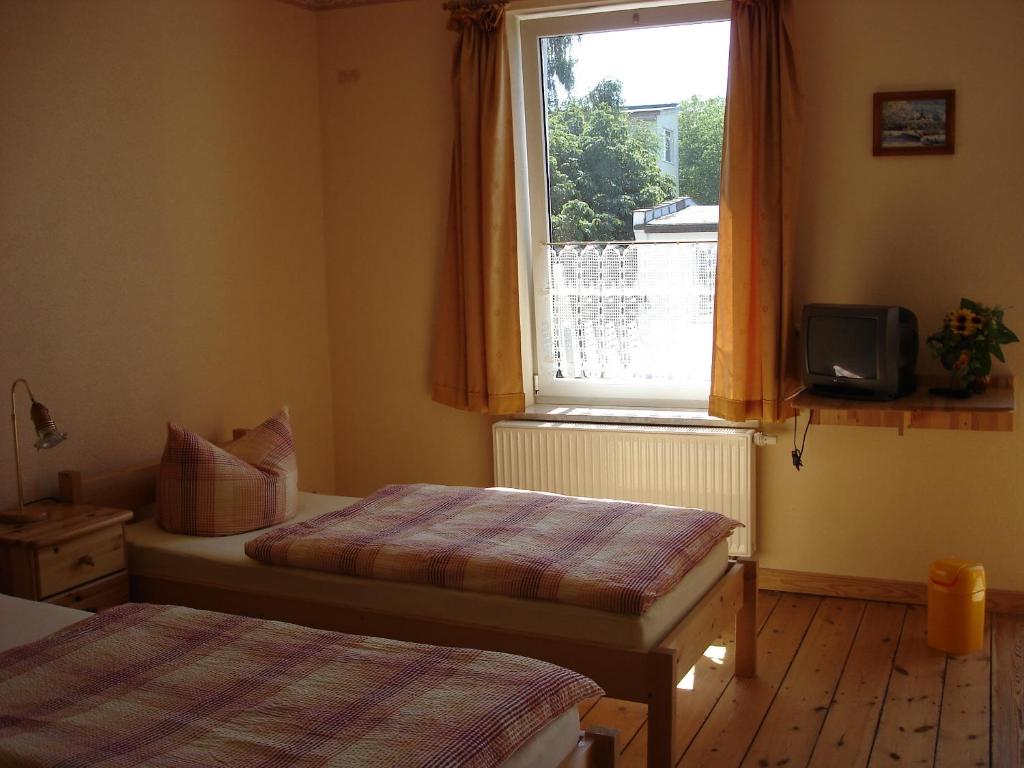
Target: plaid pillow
column 203, row 490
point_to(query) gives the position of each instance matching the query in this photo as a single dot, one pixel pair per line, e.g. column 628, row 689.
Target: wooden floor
column 843, row 683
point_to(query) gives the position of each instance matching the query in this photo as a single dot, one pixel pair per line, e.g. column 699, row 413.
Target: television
column 859, row 351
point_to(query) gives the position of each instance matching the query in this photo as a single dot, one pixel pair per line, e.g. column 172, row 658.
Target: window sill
column 671, row 417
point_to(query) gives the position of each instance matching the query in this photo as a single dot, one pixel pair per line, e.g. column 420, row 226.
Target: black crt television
column 859, row 351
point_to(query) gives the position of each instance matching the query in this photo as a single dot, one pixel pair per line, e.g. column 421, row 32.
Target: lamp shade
column 47, row 431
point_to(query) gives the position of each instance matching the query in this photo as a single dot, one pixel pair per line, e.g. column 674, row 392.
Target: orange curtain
column 477, row 362
column 751, row 370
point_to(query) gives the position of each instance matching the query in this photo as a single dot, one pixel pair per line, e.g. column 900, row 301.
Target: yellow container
column 956, row 605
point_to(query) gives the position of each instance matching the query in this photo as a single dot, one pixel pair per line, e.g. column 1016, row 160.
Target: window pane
column 637, row 313
column 634, row 159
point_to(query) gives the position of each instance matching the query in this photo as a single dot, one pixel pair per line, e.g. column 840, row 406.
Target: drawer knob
column 86, row 560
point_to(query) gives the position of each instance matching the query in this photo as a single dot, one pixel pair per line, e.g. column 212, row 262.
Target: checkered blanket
column 162, row 686
column 610, row 555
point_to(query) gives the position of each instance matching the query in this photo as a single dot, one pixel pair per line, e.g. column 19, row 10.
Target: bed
column 637, row 658
column 120, row 689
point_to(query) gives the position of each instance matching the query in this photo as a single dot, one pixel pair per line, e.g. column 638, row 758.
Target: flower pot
column 979, row 385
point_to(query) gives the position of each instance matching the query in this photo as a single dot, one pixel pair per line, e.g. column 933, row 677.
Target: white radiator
column 706, row 468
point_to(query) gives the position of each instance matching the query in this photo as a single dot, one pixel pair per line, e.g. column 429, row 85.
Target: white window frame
column 526, row 25
column 668, row 133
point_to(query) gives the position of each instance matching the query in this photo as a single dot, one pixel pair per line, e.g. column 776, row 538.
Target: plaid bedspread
column 610, row 555
column 161, row 686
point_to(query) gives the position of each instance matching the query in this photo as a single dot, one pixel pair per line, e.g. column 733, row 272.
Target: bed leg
column 595, row 749
column 661, row 709
column 605, row 754
column 746, row 623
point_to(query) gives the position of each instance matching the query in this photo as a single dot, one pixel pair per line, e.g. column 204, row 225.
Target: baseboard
column 867, row 588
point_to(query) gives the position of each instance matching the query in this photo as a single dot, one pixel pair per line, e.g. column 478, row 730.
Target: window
column 621, row 158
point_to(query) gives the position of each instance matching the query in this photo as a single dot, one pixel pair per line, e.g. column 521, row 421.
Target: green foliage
column 601, row 167
column 559, row 65
column 970, row 337
column 607, row 93
column 701, row 126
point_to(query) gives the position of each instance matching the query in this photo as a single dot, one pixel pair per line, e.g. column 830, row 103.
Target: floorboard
column 964, row 722
column 910, row 718
column 1007, row 691
column 849, row 729
column 586, row 705
column 842, row 683
column 699, row 691
column 790, row 730
column 624, row 716
column 733, row 723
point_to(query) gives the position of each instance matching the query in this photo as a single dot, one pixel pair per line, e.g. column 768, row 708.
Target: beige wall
column 161, row 225
column 917, row 231
column 160, row 180
column 387, row 149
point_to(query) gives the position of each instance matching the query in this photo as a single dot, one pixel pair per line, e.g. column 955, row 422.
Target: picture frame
column 914, row 123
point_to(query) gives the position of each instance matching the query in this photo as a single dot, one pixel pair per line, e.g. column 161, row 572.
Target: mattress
column 617, row 556
column 221, row 562
column 23, row 621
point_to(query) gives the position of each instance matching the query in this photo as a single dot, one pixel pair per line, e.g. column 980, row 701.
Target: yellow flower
column 963, row 322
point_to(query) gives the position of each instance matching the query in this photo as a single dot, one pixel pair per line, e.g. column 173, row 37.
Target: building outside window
column 662, row 120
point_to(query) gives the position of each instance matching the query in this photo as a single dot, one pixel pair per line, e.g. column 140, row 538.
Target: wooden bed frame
column 595, row 749
column 648, row 677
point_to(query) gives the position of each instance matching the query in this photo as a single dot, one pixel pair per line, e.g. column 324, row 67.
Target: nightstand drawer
column 96, row 595
column 75, row 562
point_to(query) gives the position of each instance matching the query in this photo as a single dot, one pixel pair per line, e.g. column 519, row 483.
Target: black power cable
column 798, row 453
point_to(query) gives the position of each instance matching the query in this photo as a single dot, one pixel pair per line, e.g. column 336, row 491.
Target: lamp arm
column 17, row 448
column 27, row 388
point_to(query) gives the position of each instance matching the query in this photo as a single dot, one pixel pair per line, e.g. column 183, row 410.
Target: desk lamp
column 49, row 437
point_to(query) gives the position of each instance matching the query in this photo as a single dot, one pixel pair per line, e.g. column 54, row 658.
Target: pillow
column 203, row 490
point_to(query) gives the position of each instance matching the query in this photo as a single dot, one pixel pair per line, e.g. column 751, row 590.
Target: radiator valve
column 761, row 439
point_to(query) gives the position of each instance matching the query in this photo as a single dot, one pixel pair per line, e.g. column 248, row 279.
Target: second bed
column 634, row 657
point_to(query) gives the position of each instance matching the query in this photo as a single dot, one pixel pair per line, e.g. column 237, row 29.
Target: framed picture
column 914, row 123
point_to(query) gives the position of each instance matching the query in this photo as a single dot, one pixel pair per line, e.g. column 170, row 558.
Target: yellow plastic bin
column 956, row 605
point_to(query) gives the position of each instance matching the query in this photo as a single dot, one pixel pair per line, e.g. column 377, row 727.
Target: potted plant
column 970, row 337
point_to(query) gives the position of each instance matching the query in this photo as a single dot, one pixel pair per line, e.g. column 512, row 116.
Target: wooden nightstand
column 74, row 558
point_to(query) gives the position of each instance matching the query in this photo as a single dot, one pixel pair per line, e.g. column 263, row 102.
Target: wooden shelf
column 991, row 411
